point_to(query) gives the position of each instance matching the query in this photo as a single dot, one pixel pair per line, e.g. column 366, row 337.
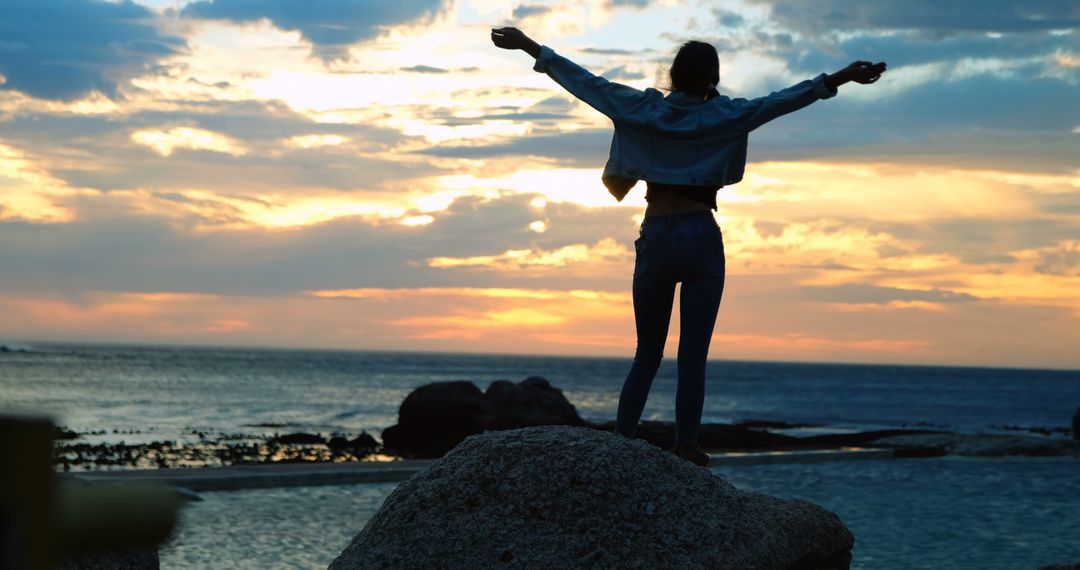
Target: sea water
column 942, row 513
column 946, row 513
column 169, row 392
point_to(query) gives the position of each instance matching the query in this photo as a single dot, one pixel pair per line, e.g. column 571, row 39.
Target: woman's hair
column 696, row 69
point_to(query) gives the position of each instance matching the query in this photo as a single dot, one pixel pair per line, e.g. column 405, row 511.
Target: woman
column 685, row 146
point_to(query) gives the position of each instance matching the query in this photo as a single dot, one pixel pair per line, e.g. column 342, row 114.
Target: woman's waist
column 688, row 220
column 678, row 198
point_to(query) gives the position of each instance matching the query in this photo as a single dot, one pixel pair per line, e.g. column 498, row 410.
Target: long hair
column 696, row 69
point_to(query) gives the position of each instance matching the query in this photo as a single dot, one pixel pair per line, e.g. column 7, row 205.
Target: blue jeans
column 685, row 248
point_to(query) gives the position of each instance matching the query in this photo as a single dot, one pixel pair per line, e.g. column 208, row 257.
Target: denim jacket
column 679, row 139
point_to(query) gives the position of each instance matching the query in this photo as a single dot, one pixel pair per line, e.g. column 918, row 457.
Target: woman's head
column 696, row 69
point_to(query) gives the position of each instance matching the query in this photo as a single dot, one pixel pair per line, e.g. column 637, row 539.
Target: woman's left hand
column 509, row 38
column 513, row 38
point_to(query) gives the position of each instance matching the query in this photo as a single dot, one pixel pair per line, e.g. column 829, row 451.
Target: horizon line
column 194, row 345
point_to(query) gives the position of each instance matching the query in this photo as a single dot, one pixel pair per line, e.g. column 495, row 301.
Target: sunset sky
column 368, row 174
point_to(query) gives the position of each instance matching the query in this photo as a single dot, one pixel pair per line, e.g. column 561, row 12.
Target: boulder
column 359, row 445
column 568, row 497
column 436, row 417
column 531, row 402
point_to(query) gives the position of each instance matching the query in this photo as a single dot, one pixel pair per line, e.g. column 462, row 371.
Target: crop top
column 701, row 194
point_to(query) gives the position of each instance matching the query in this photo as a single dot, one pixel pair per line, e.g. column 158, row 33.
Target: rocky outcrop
column 983, row 445
column 565, row 497
column 741, row 437
column 436, row 417
column 1062, row 566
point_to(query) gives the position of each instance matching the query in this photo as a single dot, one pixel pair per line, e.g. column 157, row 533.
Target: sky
column 361, row 174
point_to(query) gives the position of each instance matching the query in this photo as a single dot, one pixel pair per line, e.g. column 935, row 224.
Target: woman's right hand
column 864, row 72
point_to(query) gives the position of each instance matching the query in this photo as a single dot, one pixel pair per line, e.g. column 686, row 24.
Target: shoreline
column 242, row 477
column 302, row 459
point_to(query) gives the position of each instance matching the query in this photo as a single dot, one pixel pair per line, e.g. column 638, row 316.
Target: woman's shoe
column 691, row 453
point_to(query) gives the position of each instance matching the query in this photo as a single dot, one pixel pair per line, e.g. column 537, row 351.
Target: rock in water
column 436, row 417
column 566, row 497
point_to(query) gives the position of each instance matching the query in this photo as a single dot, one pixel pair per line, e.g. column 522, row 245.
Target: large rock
column 436, row 417
column 565, row 497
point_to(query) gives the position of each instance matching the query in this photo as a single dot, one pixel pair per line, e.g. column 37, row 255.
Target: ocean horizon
column 164, row 390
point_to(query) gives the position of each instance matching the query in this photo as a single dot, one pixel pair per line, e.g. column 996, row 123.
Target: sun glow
column 167, row 141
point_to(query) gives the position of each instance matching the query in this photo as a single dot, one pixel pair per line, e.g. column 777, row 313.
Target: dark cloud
column 982, row 241
column 863, row 293
column 97, row 151
column 528, row 10
column 425, row 69
column 620, row 73
column 585, row 148
column 330, row 25
column 65, row 49
column 114, row 249
column 903, row 49
column 931, row 16
column 979, row 122
column 612, row 51
column 1063, row 260
column 437, row 70
column 728, row 19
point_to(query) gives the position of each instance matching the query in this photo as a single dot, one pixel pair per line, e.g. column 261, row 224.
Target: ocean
column 947, row 512
column 147, row 392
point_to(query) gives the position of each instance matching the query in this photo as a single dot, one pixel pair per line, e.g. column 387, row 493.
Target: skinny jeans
column 686, row 248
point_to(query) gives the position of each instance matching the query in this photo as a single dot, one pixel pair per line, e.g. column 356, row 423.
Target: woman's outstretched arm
column 615, row 100
column 751, row 114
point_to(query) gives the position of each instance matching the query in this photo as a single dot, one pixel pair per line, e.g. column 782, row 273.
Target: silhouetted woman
column 685, row 146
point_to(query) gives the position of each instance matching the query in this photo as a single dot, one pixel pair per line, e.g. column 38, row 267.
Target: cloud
column 132, row 248
column 863, row 293
column 729, row 19
column 66, row 49
column 621, row 73
column 425, row 69
column 925, row 15
column 527, row 10
column 332, row 26
column 165, row 141
column 612, row 51
column 1061, row 260
column 606, row 249
column 241, row 145
column 585, row 148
